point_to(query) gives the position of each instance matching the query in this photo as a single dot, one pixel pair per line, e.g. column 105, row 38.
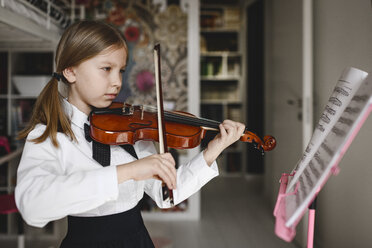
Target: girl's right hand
column 159, row 166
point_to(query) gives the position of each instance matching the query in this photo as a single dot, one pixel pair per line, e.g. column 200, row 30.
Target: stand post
column 311, row 224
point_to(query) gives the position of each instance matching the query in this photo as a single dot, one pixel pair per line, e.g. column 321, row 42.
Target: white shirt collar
column 76, row 116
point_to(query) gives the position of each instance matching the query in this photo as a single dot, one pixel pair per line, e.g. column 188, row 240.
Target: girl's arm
column 49, row 188
column 201, row 169
column 230, row 131
column 159, row 166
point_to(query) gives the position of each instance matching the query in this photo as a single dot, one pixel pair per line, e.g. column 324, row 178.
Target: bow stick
column 163, row 148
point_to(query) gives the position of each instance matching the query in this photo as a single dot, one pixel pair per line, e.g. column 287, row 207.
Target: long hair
column 80, row 42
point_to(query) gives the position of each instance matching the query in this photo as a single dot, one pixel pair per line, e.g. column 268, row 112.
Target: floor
column 233, row 215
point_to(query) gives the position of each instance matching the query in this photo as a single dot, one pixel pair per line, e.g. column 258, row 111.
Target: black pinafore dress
column 123, row 230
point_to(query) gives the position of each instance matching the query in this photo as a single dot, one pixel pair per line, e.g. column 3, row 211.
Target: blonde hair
column 80, row 42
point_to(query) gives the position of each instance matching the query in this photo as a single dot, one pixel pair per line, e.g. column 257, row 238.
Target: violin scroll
column 268, row 144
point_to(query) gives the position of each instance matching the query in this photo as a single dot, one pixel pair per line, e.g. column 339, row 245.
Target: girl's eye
column 122, row 70
column 106, row 68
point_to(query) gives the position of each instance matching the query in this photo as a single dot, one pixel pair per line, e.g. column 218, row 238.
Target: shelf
column 220, row 30
column 218, row 101
column 221, row 74
column 17, row 97
column 3, row 73
column 226, row 41
column 220, row 67
column 219, row 3
column 27, row 72
column 220, row 78
column 15, row 113
column 7, row 188
column 32, row 63
column 219, row 54
column 210, row 90
column 220, row 17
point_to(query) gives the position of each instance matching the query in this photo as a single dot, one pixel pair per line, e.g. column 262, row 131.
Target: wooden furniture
column 29, row 32
column 222, row 77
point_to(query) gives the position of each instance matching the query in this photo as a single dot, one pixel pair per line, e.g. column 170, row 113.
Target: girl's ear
column 69, row 74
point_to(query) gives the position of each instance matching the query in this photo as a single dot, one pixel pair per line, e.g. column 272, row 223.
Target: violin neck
column 193, row 121
column 190, row 120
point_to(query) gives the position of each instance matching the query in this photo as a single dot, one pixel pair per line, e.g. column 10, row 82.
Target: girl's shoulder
column 38, row 130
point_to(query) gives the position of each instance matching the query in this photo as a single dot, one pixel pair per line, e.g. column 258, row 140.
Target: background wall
column 342, row 38
column 144, row 24
column 283, row 90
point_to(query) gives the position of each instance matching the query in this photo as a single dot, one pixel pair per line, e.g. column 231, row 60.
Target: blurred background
column 271, row 64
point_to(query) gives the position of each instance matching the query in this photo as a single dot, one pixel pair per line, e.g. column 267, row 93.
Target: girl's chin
column 104, row 104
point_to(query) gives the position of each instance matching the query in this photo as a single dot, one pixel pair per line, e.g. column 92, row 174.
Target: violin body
column 123, row 123
column 136, row 123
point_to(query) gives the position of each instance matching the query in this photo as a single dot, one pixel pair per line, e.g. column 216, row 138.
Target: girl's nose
column 117, row 80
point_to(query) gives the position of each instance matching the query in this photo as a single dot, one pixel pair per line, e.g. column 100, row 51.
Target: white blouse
column 55, row 182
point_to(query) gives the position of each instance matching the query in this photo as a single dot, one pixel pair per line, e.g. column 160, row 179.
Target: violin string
column 185, row 119
column 191, row 120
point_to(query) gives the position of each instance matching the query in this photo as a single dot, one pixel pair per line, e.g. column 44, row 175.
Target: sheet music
column 329, row 152
column 343, row 92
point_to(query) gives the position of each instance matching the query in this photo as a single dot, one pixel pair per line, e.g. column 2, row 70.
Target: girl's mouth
column 111, row 96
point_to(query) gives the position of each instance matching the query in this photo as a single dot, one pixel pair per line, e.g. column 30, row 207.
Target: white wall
column 283, row 83
column 342, row 38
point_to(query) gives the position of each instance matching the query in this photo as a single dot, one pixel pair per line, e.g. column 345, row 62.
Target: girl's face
column 97, row 81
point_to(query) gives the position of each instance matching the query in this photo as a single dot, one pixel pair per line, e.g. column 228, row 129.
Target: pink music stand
column 284, row 200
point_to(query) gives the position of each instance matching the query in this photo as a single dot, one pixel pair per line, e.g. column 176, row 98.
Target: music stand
column 299, row 189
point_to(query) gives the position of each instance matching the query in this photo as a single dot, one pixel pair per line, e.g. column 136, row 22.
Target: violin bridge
column 141, row 108
column 127, row 110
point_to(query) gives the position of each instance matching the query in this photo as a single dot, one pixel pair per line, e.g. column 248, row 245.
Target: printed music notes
column 343, row 92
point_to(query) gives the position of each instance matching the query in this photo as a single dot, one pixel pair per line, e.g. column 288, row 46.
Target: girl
column 57, row 176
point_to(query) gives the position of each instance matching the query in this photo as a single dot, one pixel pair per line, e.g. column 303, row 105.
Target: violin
column 122, row 123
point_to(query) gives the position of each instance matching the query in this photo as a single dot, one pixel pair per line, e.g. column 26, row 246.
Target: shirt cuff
column 198, row 166
column 109, row 187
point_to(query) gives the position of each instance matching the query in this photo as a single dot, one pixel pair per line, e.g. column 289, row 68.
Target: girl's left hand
column 230, row 132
